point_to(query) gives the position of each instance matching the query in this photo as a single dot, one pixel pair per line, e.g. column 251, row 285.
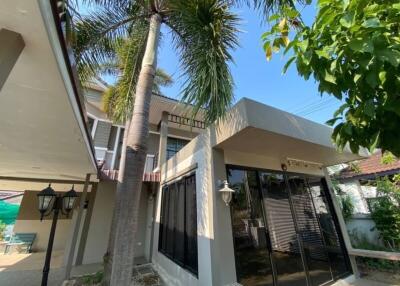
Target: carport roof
column 42, row 122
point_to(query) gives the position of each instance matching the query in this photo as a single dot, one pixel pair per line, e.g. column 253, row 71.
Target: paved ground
column 26, row 269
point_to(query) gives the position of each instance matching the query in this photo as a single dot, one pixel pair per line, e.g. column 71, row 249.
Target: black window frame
column 174, row 145
column 180, row 250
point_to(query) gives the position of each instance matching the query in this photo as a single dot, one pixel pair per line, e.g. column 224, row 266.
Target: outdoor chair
column 21, row 239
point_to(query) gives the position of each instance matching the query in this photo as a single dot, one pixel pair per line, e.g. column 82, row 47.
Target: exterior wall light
column 226, row 193
column 51, row 203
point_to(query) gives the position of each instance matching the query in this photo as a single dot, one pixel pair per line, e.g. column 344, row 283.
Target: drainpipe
column 342, row 223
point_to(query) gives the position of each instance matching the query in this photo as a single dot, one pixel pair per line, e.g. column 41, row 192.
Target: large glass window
column 283, row 230
column 178, row 227
column 174, row 145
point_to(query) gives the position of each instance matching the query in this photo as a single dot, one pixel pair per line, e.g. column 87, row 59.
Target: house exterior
column 281, row 226
column 357, row 180
column 108, row 138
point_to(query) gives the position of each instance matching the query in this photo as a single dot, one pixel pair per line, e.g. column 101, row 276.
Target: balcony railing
column 112, row 173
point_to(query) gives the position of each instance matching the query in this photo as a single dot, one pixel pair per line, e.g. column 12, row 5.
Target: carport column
column 77, row 225
column 11, row 47
column 342, row 223
column 162, row 149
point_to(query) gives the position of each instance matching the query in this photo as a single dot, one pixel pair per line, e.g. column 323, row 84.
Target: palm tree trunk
column 129, row 189
column 110, row 248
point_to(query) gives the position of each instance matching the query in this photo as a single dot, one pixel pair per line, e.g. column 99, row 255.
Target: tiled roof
column 371, row 165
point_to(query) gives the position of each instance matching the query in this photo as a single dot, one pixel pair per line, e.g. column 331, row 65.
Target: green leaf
column 348, row 129
column 356, row 78
column 266, row 34
column 371, row 23
column 340, row 110
column 361, row 45
column 268, row 52
column 288, row 63
column 332, row 121
column 371, row 79
column 374, row 142
column 322, row 54
column 347, row 20
column 391, row 56
column 274, row 17
column 382, row 77
column 329, row 77
column 303, row 45
column 369, row 108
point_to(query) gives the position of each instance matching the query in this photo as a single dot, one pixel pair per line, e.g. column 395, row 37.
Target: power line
column 314, row 106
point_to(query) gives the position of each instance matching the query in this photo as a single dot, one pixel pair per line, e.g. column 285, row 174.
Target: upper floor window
column 174, row 145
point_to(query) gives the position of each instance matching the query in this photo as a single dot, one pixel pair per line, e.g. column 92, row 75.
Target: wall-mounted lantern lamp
column 226, row 192
column 50, row 202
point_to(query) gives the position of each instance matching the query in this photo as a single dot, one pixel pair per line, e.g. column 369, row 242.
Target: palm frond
column 205, row 32
column 97, row 34
column 129, row 54
column 266, row 7
column 162, row 78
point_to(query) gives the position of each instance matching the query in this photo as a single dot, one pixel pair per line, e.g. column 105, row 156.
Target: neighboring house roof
column 371, row 167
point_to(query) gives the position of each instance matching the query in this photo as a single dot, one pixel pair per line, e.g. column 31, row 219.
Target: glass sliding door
column 313, row 244
column 283, row 229
column 252, row 255
column 334, row 244
column 286, row 251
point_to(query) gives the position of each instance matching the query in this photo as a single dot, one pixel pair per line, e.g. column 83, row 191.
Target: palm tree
column 118, row 98
column 203, row 32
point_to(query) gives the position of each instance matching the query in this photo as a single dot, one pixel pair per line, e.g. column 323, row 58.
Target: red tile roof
column 371, row 165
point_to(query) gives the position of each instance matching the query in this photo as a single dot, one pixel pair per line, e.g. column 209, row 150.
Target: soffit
column 41, row 130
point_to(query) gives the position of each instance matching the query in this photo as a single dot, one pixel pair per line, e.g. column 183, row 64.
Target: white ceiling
column 41, row 132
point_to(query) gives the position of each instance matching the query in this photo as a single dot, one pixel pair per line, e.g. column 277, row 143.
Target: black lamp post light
column 50, row 202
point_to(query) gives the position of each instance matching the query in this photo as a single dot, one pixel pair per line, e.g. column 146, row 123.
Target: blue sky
column 258, row 79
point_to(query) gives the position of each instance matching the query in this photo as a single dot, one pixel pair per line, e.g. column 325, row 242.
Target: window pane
column 285, row 246
column 252, row 257
column 163, row 219
column 309, row 231
column 174, row 145
column 191, row 224
column 179, row 254
column 112, row 138
column 335, row 246
column 171, row 220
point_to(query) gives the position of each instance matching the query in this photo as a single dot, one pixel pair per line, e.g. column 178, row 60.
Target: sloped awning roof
column 43, row 123
column 255, row 128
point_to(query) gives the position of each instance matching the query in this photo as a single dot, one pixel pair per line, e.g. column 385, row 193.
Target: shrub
column 347, row 206
column 385, row 211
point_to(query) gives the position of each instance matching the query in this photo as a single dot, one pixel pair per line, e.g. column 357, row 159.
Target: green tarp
column 8, row 212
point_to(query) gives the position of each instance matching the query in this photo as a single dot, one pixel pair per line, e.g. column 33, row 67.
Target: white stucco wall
column 172, row 273
column 99, row 229
column 100, row 224
column 353, row 189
